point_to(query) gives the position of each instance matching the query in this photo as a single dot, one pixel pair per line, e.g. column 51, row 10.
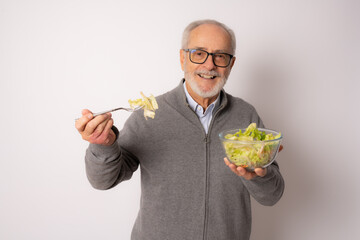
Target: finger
column 226, row 161
column 85, row 112
column 261, row 172
column 108, row 126
column 103, row 126
column 105, row 135
column 246, row 174
column 241, row 171
column 94, row 123
column 99, row 129
column 80, row 124
column 231, row 166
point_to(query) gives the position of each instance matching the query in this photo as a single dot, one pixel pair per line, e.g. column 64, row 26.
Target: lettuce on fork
column 149, row 105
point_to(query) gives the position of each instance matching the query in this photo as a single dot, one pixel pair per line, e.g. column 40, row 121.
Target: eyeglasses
column 199, row 56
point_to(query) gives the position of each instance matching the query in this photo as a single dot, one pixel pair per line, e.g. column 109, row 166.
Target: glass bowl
column 251, row 154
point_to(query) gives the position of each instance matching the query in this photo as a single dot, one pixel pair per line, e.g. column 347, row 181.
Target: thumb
column 85, row 112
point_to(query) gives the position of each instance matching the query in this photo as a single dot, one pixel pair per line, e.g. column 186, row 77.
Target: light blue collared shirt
column 204, row 117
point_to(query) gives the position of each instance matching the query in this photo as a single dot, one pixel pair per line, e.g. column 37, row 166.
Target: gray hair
column 193, row 25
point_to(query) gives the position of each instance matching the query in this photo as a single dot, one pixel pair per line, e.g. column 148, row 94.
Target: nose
column 209, row 63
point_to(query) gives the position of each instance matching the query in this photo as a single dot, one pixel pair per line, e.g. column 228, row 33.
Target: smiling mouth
column 206, row 76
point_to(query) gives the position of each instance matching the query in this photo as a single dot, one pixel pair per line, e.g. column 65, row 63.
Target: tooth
column 207, row 76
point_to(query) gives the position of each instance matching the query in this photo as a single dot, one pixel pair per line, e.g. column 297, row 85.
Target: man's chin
column 207, row 92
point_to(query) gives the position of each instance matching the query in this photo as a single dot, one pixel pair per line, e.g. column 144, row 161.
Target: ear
column 182, row 58
column 232, row 62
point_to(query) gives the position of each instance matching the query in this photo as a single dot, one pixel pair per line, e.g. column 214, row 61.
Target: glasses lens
column 221, row 59
column 198, row 56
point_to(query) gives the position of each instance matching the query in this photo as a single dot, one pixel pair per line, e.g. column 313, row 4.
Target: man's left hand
column 242, row 172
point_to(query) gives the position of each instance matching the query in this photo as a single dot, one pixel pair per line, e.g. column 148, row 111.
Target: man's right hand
column 96, row 130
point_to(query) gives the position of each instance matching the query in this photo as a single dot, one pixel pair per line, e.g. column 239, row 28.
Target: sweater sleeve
column 267, row 190
column 106, row 166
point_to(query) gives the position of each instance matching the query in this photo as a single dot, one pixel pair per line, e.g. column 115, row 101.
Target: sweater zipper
column 207, row 189
column 207, row 153
column 206, row 141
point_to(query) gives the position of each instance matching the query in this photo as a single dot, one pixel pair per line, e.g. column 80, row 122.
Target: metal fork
column 115, row 109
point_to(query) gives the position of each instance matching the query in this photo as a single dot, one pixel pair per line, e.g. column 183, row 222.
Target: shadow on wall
column 274, row 90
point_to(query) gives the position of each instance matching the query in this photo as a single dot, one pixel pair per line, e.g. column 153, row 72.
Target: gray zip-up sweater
column 187, row 191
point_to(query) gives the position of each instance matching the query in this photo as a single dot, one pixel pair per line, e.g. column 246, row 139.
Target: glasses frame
column 189, row 50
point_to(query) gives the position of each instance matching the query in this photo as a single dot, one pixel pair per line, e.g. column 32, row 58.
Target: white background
column 297, row 63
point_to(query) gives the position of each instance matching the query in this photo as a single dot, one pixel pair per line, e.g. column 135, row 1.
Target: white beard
column 189, row 76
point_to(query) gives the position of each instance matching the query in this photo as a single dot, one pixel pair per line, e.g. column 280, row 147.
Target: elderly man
column 187, row 192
